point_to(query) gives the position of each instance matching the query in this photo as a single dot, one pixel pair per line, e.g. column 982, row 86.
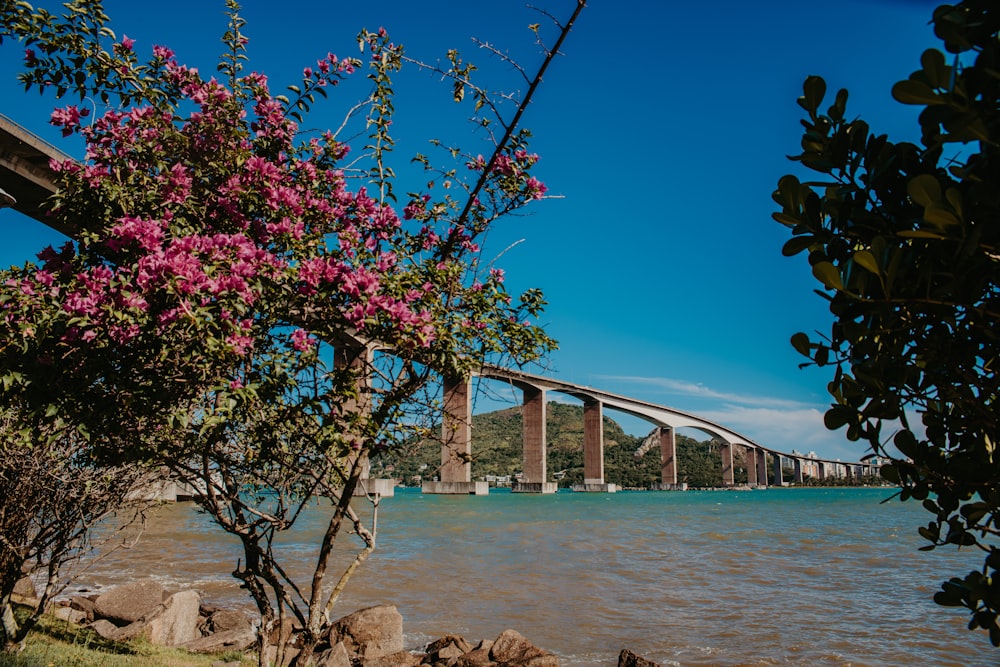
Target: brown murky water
column 776, row 577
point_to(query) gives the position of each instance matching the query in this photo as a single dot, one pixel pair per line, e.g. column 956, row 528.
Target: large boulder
column 511, row 649
column 400, row 659
column 128, row 603
column 105, row 628
column 172, row 623
column 224, row 620
column 334, row 657
column 628, row 659
column 239, row 639
column 370, row 633
column 25, row 588
column 86, row 605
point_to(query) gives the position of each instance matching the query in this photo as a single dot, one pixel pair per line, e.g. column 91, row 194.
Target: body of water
column 762, row 577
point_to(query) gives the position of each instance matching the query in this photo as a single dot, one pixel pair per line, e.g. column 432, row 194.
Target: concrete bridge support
column 762, row 468
column 750, row 456
column 593, row 449
column 535, row 468
column 726, row 452
column 778, row 477
column 456, row 442
column 668, row 458
column 821, row 470
column 359, row 359
column 799, row 479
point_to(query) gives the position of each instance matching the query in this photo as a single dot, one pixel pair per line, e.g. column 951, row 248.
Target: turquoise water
column 763, row 577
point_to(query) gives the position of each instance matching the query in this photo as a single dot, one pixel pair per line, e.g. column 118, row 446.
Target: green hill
column 496, row 450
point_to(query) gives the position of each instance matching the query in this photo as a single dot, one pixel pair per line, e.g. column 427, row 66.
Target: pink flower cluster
column 220, row 226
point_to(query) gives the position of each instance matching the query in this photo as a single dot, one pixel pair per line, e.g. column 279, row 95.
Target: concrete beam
column 761, row 468
column 668, row 457
column 533, row 433
column 726, row 453
column 456, row 431
column 593, row 443
column 25, row 173
column 751, row 460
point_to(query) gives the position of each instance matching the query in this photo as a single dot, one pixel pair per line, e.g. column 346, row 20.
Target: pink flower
column 302, row 341
column 68, row 118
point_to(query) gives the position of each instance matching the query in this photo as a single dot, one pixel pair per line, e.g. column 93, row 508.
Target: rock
column 285, row 630
column 334, row 657
column 70, row 614
column 271, row 653
column 370, row 633
column 224, row 620
column 628, row 659
column 513, row 650
column 399, row 659
column 86, row 605
column 446, row 641
column 105, row 628
column 239, row 639
column 129, row 602
column 172, row 623
column 446, row 649
column 177, row 622
column 25, row 588
column 477, row 657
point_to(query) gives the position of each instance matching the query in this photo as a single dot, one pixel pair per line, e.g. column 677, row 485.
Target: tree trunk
column 8, row 628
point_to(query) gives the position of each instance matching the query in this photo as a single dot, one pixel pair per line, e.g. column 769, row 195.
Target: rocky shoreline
column 371, row 637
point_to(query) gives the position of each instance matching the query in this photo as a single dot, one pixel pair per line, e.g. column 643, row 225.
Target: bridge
column 26, row 181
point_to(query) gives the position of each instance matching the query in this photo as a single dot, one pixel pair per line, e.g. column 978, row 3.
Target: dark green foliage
column 905, row 240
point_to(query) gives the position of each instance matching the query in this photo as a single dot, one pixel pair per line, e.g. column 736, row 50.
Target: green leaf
column 924, row 190
column 827, row 273
column 866, row 260
column 915, row 92
column 800, row 342
column 921, row 234
column 939, row 216
column 797, row 244
column 935, row 69
column 813, row 89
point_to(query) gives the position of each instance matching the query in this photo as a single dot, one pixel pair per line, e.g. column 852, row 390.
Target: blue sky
column 662, row 130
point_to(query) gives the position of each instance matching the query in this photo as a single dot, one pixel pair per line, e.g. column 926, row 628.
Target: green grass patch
column 57, row 643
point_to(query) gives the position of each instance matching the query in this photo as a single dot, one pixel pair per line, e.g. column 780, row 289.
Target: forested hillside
column 496, row 450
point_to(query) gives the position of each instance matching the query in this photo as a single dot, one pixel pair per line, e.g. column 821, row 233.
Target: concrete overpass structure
column 26, row 181
column 457, row 439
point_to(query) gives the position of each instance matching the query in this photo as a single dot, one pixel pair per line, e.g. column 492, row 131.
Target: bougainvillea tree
column 243, row 302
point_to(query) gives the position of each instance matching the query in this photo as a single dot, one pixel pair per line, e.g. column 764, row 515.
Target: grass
column 57, row 643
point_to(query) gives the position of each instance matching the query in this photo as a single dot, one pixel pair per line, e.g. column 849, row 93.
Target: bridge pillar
column 761, row 468
column 358, row 358
column 799, row 478
column 778, row 478
column 534, row 451
column 726, row 452
column 668, row 460
column 456, row 442
column 593, row 449
column 820, row 470
column 751, row 462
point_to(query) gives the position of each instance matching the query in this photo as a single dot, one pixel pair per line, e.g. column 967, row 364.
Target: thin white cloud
column 695, row 390
column 799, row 429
